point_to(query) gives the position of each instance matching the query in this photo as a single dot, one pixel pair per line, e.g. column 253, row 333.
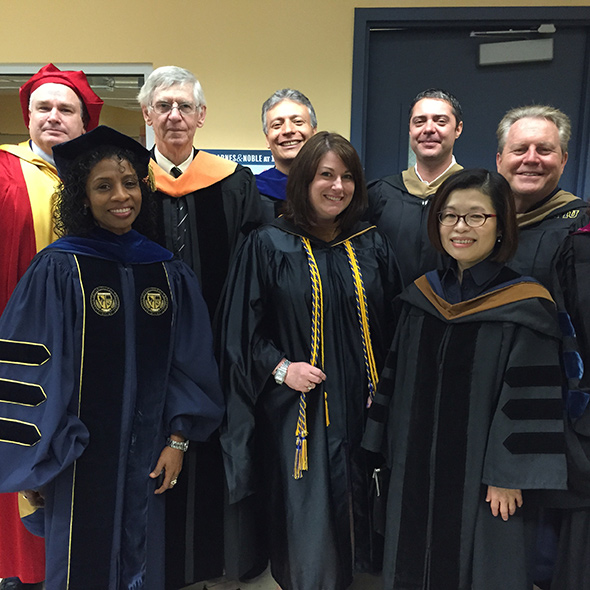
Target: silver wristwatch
column 281, row 372
column 176, row 444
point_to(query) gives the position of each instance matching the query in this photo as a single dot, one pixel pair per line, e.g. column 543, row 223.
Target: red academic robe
column 27, row 184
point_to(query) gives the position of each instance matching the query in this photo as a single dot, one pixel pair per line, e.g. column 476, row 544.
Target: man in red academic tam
column 57, row 106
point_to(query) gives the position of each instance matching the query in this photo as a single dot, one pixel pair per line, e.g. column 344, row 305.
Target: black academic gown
column 399, row 206
column 471, row 397
column 572, row 288
column 105, row 350
column 318, row 526
column 542, row 230
column 222, row 206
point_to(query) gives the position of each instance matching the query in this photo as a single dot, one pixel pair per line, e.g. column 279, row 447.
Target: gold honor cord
column 363, row 317
column 317, row 344
column 317, row 353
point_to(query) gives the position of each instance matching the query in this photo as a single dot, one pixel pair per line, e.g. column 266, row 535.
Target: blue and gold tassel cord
column 316, row 357
column 317, row 344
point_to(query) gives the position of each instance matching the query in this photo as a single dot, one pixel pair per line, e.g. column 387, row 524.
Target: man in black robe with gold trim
column 399, row 204
column 208, row 205
column 532, row 154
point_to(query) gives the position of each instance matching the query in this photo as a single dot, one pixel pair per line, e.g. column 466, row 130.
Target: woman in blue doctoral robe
column 106, row 369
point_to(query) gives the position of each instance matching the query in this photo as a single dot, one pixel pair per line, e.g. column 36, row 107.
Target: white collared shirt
column 39, row 152
column 167, row 165
column 453, row 162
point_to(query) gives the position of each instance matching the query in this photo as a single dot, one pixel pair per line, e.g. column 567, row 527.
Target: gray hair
column 288, row 94
column 535, row 111
column 168, row 76
column 439, row 94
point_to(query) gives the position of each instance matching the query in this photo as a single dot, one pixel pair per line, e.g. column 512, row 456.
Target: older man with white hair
column 207, row 205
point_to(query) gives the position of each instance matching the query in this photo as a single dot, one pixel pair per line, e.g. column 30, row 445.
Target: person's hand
column 170, row 463
column 34, row 497
column 303, row 377
column 503, row 501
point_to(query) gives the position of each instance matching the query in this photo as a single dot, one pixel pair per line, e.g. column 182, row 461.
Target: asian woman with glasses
column 468, row 410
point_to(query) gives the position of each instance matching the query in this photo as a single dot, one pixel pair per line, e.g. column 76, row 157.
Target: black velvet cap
column 65, row 154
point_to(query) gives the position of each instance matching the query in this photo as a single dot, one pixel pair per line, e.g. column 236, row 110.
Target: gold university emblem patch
column 154, row 301
column 104, row 301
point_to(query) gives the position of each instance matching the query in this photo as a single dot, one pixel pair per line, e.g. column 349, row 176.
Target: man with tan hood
column 532, row 154
column 399, row 204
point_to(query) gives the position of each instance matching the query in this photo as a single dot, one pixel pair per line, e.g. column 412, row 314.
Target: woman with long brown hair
column 305, row 325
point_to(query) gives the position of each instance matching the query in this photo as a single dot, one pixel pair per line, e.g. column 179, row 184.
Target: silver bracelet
column 176, row 444
column 281, row 372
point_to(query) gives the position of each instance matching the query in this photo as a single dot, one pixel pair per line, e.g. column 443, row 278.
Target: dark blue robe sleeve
column 194, row 400
column 40, row 342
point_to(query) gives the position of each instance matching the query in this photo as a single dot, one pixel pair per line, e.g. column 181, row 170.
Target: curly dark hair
column 72, row 218
column 298, row 208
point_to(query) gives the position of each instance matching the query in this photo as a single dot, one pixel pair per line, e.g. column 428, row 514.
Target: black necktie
column 181, row 235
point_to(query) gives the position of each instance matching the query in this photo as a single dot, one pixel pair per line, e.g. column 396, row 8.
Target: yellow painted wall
column 241, row 50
